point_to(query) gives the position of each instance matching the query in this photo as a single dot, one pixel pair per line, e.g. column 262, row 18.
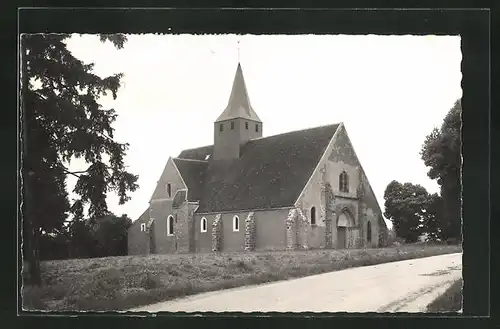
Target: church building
column 303, row 189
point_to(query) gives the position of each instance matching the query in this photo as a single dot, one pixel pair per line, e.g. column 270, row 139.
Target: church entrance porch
column 344, row 221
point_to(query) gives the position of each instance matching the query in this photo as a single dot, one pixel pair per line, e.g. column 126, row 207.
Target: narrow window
column 203, row 224
column 246, row 125
column 256, row 127
column 236, row 224
column 169, row 190
column 143, row 227
column 221, row 127
column 343, row 182
column 170, row 225
column 369, row 232
column 313, row 216
column 232, row 125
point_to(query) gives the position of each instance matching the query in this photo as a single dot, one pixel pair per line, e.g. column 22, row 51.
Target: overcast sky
column 390, row 92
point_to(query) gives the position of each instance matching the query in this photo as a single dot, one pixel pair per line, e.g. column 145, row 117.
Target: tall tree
column 433, row 217
column 63, row 120
column 405, row 207
column 110, row 235
column 441, row 153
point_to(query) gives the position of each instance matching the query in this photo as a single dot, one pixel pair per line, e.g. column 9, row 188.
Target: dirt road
column 405, row 286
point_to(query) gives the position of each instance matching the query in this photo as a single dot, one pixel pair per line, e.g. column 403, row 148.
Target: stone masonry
column 304, row 226
column 216, row 233
column 361, row 212
column 250, row 232
column 328, row 213
column 290, row 228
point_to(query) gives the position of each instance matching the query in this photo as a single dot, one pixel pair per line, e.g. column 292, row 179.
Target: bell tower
column 237, row 124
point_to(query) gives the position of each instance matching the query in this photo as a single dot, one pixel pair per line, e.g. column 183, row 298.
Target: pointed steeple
column 239, row 103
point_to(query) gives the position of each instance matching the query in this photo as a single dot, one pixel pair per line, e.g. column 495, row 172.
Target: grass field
column 450, row 301
column 120, row 283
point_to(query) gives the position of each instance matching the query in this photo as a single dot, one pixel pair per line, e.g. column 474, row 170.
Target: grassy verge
column 120, row 283
column 450, row 301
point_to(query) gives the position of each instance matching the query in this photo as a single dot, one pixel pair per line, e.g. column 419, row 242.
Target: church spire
column 239, row 103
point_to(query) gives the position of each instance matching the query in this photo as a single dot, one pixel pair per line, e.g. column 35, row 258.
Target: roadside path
column 405, row 286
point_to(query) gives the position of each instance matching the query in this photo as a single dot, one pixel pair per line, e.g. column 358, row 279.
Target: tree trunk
column 30, row 236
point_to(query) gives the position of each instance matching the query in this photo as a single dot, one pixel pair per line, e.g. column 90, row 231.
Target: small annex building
column 298, row 190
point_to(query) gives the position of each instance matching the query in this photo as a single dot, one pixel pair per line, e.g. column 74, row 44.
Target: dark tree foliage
column 433, row 219
column 63, row 120
column 441, row 152
column 82, row 239
column 412, row 211
column 110, row 236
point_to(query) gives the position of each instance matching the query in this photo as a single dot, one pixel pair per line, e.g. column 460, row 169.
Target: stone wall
column 303, row 228
column 181, row 228
column 138, row 242
column 217, row 234
column 170, row 175
column 160, row 210
column 192, row 227
column 269, row 231
column 327, row 202
column 291, row 231
column 250, row 232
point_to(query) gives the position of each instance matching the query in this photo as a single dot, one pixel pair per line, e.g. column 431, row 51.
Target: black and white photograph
column 241, row 173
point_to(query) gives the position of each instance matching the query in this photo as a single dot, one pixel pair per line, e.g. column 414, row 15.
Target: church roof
column 239, row 103
column 193, row 174
column 271, row 172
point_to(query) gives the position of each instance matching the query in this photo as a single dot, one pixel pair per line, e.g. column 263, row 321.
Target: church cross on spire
column 238, row 50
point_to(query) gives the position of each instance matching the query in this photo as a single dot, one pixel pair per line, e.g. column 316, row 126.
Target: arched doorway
column 343, row 222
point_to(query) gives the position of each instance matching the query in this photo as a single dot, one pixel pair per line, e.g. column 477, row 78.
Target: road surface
column 405, row 286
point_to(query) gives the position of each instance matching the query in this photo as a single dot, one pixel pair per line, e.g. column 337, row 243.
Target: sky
column 389, row 91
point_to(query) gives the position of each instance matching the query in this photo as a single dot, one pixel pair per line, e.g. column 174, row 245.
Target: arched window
column 343, row 182
column 236, row 224
column 369, row 232
column 169, row 190
column 313, row 216
column 203, row 224
column 170, row 225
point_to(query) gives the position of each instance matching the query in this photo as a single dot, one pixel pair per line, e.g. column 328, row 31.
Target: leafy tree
column 441, row 153
column 63, row 120
column 53, row 246
column 110, row 235
column 405, row 208
column 433, row 218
